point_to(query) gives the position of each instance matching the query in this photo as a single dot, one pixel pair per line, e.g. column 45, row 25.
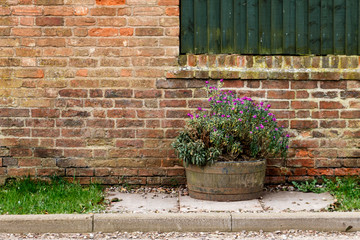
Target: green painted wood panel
column 240, row 26
column 270, row 27
column 200, row 26
column 301, row 27
column 326, row 27
column 351, row 31
column 314, row 26
column 339, row 23
column 276, row 26
column 187, row 26
column 252, row 26
column 265, row 26
column 214, row 29
column 227, row 26
column 289, row 37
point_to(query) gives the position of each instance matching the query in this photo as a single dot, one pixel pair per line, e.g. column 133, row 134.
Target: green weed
column 345, row 190
column 29, row 196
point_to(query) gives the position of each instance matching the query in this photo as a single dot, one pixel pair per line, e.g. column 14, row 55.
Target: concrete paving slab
column 318, row 221
column 296, row 201
column 54, row 223
column 143, row 203
column 165, row 222
column 188, row 204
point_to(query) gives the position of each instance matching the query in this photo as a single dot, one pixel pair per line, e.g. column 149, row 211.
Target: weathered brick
column 333, row 84
column 49, row 2
column 150, row 113
column 275, row 84
column 45, row 113
column 350, row 114
column 119, row 93
column 149, row 133
column 75, row 113
column 331, row 105
column 333, row 124
column 73, row 93
column 26, row 10
column 281, row 94
column 110, row 2
column 50, row 21
column 26, row 32
column 303, row 124
column 103, row 32
column 83, row 62
column 304, row 105
column 85, row 21
column 149, row 31
column 58, row 11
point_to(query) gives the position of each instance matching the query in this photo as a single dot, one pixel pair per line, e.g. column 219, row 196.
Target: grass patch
column 345, row 190
column 29, row 196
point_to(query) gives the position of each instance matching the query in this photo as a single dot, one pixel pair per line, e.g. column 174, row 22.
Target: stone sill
column 267, row 67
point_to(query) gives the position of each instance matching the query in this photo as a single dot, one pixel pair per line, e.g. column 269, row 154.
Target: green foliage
column 345, row 190
column 28, row 196
column 233, row 129
column 309, row 187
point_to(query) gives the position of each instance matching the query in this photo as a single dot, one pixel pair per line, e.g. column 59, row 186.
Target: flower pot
column 226, row 181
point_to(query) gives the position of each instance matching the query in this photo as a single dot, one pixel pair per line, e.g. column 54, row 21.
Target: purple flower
column 257, row 128
column 207, row 82
column 199, row 108
column 254, row 116
column 276, row 129
column 197, row 116
column 222, row 115
column 268, row 106
column 251, row 132
column 270, row 114
column 261, row 126
column 241, row 112
column 274, row 119
column 232, row 108
column 240, row 119
column 261, row 103
column 287, row 135
column 287, row 146
column 228, row 116
column 221, row 80
column 204, row 116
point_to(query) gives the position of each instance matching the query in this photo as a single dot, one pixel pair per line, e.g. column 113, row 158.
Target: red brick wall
column 93, row 89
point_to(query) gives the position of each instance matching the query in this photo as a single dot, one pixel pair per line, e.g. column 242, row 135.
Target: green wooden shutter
column 270, row 27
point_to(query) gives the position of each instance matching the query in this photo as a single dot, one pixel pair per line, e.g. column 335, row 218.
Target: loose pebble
column 248, row 235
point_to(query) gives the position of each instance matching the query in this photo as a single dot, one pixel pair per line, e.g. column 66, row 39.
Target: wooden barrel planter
column 226, row 181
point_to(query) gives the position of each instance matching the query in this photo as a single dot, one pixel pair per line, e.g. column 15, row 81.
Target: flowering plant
column 234, row 129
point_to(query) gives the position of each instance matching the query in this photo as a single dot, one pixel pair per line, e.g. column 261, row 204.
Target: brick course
column 96, row 89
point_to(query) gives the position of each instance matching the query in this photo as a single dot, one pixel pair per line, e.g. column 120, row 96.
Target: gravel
column 290, row 234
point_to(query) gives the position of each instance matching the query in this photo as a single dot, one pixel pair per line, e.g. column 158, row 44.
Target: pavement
column 175, row 202
column 177, row 212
